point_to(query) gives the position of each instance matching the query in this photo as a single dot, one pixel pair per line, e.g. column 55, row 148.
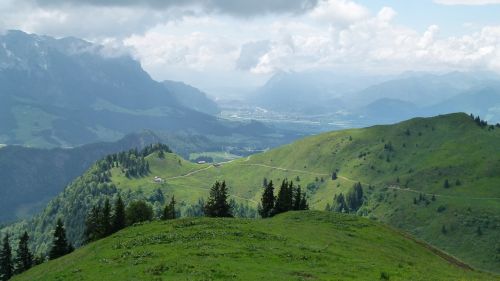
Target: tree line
column 105, row 220
column 289, row 198
column 348, row 203
column 24, row 258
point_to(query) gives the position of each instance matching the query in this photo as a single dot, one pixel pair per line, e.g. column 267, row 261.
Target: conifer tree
column 169, row 212
column 60, row 244
column 281, row 205
column 119, row 221
column 105, row 219
column 303, row 203
column 93, row 230
column 297, row 200
column 339, row 204
column 267, row 201
column 24, row 258
column 446, row 184
column 217, row 204
column 6, row 267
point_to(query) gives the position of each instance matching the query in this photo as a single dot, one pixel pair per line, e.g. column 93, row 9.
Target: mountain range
column 381, row 99
column 69, row 92
column 432, row 177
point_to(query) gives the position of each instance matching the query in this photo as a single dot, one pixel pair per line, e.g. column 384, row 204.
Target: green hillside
column 402, row 167
column 292, row 246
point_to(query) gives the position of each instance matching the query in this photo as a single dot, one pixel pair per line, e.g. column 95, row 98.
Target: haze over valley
column 249, row 140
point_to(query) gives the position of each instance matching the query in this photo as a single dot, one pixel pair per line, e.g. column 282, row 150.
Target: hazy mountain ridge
column 383, row 99
column 67, row 92
column 191, row 97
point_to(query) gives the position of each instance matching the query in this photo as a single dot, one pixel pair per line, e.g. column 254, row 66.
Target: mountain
column 30, row 177
column 422, row 89
column 291, row 246
column 386, row 110
column 69, row 92
column 191, row 97
column 435, row 178
column 307, row 92
column 483, row 101
column 326, row 97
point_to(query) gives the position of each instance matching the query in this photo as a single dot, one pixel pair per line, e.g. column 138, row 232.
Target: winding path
column 392, row 187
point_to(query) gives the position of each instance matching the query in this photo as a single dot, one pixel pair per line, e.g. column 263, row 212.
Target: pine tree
column 303, row 203
column 297, row 200
column 60, row 244
column 105, row 219
column 267, row 201
column 354, row 197
column 24, row 258
column 339, row 204
column 281, row 205
column 446, row 184
column 6, row 267
column 264, row 182
column 93, row 225
column 119, row 221
column 217, row 204
column 169, row 212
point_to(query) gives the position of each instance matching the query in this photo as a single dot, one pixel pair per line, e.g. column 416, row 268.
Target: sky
column 227, row 46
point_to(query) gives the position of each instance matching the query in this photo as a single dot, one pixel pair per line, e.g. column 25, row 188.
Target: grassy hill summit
column 293, row 246
column 435, row 178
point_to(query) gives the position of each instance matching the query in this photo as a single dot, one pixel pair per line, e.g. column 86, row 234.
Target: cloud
column 251, row 54
column 339, row 11
column 467, row 2
column 238, row 8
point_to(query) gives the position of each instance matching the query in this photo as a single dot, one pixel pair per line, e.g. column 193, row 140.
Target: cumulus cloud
column 467, row 2
column 225, row 38
column 339, row 12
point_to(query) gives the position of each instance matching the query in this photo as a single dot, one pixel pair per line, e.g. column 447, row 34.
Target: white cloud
column 339, row 11
column 212, row 48
column 467, row 2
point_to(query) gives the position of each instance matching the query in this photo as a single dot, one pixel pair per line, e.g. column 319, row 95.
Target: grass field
column 217, row 156
column 402, row 167
column 423, row 153
column 292, row 246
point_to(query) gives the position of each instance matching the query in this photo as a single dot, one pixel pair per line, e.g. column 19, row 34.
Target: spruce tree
column 339, row 204
column 6, row 267
column 446, row 184
column 119, row 221
column 303, row 203
column 169, row 212
column 217, row 204
column 297, row 200
column 24, row 258
column 92, row 225
column 267, row 201
column 105, row 219
column 60, row 244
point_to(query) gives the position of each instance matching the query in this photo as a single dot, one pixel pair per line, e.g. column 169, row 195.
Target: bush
column 441, row 209
column 138, row 211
